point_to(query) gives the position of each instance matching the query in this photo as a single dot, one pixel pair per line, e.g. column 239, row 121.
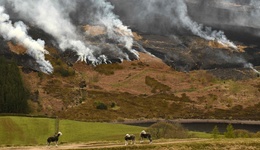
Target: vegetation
column 167, row 130
column 240, row 133
column 155, row 89
column 63, row 69
column 18, row 131
column 108, row 69
column 156, row 85
column 230, row 132
column 35, row 131
column 215, row 132
column 100, row 105
column 13, row 94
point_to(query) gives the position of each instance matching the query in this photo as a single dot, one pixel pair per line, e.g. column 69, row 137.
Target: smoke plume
column 164, row 17
column 18, row 32
column 53, row 19
column 65, row 19
column 114, row 26
column 228, row 14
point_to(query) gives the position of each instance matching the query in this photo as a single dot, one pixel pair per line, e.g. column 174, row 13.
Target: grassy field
column 31, row 131
column 35, row 131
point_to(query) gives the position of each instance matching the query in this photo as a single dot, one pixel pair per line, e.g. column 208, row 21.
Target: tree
column 230, row 131
column 215, row 132
column 167, row 130
column 13, row 94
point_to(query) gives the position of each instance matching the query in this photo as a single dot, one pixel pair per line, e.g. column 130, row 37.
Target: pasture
column 30, row 133
column 20, row 131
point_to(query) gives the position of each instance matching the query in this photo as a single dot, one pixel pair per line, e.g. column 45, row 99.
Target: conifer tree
column 215, row 132
column 13, row 94
column 230, row 131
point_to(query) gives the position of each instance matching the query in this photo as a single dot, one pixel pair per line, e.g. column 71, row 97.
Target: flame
column 216, row 44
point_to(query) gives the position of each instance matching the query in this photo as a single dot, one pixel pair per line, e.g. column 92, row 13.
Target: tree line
column 13, row 94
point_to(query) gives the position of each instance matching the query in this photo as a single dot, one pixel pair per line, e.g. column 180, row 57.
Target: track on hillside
column 78, row 146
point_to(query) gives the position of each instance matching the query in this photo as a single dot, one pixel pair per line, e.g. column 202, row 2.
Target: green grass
column 24, row 130
column 18, row 131
column 200, row 134
column 35, row 131
column 89, row 131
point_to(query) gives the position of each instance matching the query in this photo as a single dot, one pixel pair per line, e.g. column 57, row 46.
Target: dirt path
column 95, row 145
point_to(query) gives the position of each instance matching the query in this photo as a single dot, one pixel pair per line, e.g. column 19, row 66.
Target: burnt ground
column 187, row 53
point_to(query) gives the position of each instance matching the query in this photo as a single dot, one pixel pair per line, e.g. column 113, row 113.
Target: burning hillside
column 100, row 31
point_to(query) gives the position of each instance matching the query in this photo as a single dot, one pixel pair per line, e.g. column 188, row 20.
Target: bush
column 108, row 69
column 239, row 133
column 156, row 85
column 65, row 72
column 215, row 132
column 230, row 132
column 167, row 130
column 113, row 104
column 257, row 134
column 101, row 106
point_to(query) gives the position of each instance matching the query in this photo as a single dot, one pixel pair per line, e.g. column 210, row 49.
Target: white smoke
column 18, row 32
column 166, row 17
column 114, row 26
column 53, row 19
column 197, row 29
column 230, row 14
column 250, row 66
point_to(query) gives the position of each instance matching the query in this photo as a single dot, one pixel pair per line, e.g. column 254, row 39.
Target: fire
column 216, row 44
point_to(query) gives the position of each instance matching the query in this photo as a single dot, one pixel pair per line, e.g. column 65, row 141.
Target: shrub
column 156, row 85
column 113, row 104
column 65, row 72
column 108, row 69
column 257, row 134
column 167, row 130
column 239, row 133
column 101, row 105
column 215, row 132
column 230, row 131
column 185, row 98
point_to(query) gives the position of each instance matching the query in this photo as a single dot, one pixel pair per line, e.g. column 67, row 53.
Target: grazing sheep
column 54, row 138
column 129, row 137
column 143, row 135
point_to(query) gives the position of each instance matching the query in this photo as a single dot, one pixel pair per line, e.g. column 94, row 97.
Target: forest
column 13, row 94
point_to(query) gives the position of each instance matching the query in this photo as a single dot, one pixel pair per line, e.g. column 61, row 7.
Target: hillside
column 197, row 83
column 143, row 89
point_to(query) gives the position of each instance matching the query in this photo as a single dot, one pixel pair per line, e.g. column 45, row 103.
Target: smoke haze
column 63, row 19
column 54, row 17
column 18, row 32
